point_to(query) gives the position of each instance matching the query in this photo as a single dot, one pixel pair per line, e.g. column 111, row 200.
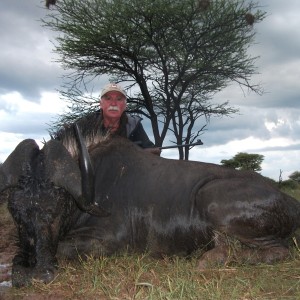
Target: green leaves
column 244, row 161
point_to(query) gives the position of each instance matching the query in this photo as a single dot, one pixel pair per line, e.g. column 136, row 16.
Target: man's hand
column 154, row 150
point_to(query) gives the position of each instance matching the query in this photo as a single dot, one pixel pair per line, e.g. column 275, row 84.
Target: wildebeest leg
column 260, row 217
column 219, row 255
column 262, row 255
column 225, row 251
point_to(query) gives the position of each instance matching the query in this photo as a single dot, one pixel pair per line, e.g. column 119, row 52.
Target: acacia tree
column 172, row 56
column 244, row 161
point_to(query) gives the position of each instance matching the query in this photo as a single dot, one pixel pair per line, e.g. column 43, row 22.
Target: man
column 112, row 118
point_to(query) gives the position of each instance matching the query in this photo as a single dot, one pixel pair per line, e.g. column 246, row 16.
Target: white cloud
column 21, row 119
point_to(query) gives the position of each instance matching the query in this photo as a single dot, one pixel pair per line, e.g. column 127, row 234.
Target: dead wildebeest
column 137, row 201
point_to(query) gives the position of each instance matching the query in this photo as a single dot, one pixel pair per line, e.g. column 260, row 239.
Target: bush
column 289, row 184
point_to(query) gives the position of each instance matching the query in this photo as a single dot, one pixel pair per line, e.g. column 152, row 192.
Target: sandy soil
column 7, row 247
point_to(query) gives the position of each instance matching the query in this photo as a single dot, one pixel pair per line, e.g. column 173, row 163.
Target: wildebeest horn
column 63, row 171
column 87, row 176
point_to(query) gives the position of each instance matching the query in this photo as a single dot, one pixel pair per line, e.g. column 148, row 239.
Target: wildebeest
column 136, row 201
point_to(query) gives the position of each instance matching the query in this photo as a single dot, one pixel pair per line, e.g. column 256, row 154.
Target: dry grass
column 141, row 277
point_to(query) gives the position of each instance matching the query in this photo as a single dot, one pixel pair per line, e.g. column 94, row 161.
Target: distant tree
column 280, row 177
column 295, row 176
column 244, row 161
column 231, row 163
column 288, row 185
column 172, row 56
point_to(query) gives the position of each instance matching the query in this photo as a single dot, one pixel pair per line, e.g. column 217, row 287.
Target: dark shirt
column 130, row 127
column 140, row 137
column 91, row 127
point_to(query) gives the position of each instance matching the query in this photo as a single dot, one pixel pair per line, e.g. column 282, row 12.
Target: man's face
column 113, row 104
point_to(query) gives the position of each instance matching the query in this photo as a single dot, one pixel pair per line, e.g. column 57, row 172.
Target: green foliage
column 291, row 188
column 172, row 55
column 244, row 161
column 288, row 184
column 295, row 176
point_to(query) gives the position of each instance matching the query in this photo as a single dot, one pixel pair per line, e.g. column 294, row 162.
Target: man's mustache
column 112, row 107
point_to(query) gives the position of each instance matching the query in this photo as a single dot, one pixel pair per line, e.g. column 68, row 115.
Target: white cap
column 113, row 87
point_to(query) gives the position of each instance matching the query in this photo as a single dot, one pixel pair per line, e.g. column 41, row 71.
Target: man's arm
column 140, row 137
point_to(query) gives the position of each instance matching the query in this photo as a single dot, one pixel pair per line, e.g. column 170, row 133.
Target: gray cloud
column 26, row 64
column 279, row 148
column 270, row 34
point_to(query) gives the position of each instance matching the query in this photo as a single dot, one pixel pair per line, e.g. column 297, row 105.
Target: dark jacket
column 130, row 127
column 136, row 133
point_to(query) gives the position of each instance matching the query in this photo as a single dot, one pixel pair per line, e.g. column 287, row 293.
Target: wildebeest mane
column 90, row 127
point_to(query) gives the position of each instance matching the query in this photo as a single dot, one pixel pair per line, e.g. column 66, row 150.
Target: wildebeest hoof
column 202, row 265
column 218, row 256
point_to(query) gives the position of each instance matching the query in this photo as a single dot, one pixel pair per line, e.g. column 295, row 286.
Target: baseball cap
column 113, row 87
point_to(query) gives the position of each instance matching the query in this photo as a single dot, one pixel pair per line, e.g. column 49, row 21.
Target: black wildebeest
column 138, row 201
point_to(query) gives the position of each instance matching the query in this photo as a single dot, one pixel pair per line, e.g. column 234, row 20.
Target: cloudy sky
column 268, row 125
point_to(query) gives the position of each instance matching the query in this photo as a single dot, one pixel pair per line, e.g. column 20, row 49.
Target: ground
column 7, row 246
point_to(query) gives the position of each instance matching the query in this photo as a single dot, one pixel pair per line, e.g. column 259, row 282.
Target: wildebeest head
column 57, row 162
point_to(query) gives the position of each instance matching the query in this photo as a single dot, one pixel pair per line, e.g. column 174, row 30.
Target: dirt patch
column 8, row 247
column 8, row 236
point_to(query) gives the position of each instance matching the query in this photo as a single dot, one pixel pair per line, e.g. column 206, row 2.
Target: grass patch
column 142, row 277
column 291, row 188
column 292, row 192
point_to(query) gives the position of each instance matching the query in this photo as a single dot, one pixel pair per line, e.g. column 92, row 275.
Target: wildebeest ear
column 61, row 168
column 17, row 163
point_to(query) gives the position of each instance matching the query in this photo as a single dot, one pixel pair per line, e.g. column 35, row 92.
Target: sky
column 268, row 124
